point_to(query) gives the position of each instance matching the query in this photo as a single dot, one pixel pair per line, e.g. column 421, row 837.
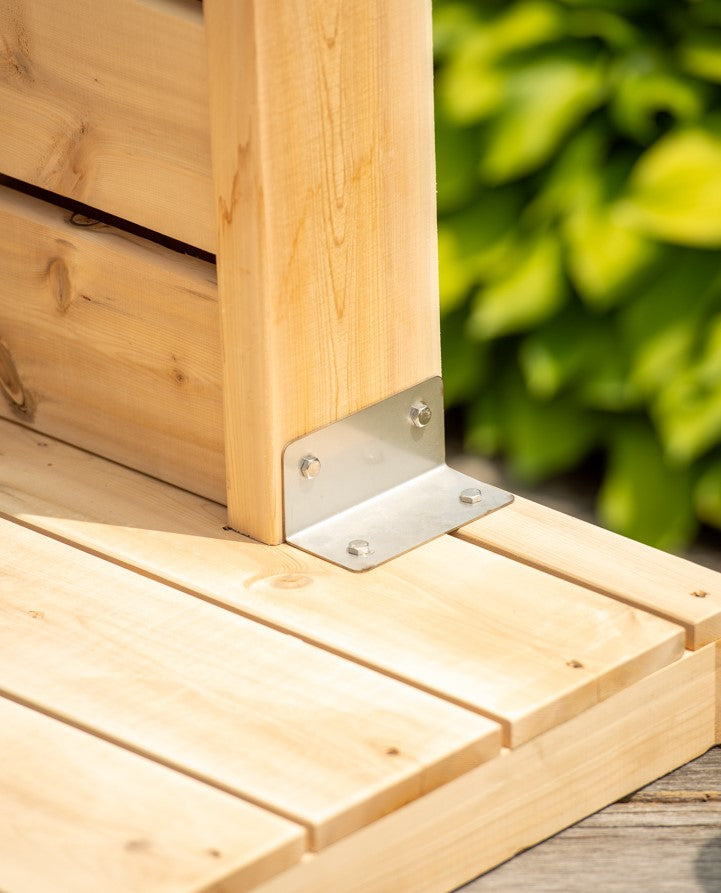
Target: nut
column 359, row 547
column 420, row 414
column 309, row 466
column 471, row 496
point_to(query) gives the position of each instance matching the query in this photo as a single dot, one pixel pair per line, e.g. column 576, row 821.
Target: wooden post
column 322, row 142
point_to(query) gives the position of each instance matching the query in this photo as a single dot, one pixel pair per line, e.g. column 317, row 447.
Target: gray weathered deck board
column 665, row 838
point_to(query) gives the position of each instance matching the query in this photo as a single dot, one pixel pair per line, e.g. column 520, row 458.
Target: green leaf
column 465, row 362
column 661, row 325
column 645, row 86
column 688, row 410
column 473, row 242
column 700, row 54
column 530, row 289
column 605, row 256
column 554, row 356
column 545, row 100
column 707, row 495
column 675, row 189
column 541, row 438
column 456, row 165
column 644, row 497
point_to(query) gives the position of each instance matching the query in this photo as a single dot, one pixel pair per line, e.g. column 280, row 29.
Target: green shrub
column 579, row 198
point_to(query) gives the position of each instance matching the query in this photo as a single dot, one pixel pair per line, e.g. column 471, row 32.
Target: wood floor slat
column 656, row 581
column 501, row 638
column 80, row 815
column 291, row 727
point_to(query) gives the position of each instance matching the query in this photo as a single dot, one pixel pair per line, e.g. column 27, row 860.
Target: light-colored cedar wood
column 322, row 143
column 718, row 691
column 664, row 838
column 105, row 101
column 499, row 809
column 291, row 727
column 664, row 584
column 81, row 815
column 491, row 634
column 112, row 342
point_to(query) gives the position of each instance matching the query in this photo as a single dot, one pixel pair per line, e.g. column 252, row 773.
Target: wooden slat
column 322, row 135
column 80, row 815
column 303, row 732
column 105, row 101
column 112, row 342
column 664, row 584
column 664, row 838
column 477, row 628
column 499, row 809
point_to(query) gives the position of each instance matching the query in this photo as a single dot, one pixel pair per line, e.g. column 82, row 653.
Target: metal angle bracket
column 375, row 484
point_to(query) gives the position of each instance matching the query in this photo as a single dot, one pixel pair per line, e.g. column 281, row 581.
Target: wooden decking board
column 663, row 584
column 264, row 715
column 665, row 838
column 496, row 636
column 111, row 342
column 124, row 127
column 527, row 794
column 80, row 815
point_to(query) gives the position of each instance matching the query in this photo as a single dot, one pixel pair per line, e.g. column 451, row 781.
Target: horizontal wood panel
column 81, row 815
column 291, row 727
column 487, row 632
column 499, row 809
column 665, row 584
column 111, row 342
column 106, row 101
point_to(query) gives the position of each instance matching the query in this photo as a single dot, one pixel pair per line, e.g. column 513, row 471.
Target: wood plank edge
column 698, row 634
column 526, row 795
column 68, row 720
column 270, row 860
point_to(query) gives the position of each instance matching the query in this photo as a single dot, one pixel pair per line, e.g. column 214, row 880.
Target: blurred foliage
column 579, row 195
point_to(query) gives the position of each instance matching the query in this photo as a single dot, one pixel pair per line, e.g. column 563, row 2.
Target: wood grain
column 111, row 342
column 664, row 584
column 322, row 143
column 509, row 804
column 82, row 815
column 503, row 639
column 311, row 736
column 664, row 838
column 124, row 126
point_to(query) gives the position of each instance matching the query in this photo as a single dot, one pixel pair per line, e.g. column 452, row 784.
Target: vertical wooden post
column 322, row 139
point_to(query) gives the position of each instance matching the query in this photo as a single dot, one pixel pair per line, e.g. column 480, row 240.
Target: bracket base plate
column 379, row 482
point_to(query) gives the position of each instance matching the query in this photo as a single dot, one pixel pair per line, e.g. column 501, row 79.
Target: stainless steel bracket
column 375, row 484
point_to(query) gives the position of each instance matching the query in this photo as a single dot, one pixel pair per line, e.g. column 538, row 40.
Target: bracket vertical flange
column 375, row 484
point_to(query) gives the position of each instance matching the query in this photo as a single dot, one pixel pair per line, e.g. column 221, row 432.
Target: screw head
column 471, row 496
column 309, row 466
column 359, row 547
column 420, row 414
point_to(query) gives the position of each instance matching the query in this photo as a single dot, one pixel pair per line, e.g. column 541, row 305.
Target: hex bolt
column 309, row 466
column 420, row 414
column 359, row 547
column 471, row 496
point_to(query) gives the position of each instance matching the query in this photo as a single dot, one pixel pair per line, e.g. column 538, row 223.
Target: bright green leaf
column 532, row 289
column 688, row 410
column 644, row 497
column 545, row 100
column 675, row 189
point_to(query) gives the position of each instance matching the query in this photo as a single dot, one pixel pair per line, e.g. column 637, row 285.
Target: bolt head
column 309, row 466
column 471, row 496
column 359, row 547
column 420, row 414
